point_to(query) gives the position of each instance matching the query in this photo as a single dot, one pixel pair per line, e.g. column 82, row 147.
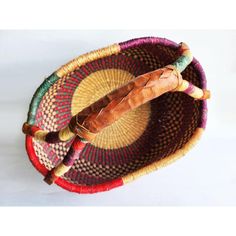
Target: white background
column 206, row 176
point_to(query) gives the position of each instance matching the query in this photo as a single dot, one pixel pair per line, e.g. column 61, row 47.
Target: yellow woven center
column 125, row 130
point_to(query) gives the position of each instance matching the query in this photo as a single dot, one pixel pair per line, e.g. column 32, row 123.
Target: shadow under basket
column 144, row 139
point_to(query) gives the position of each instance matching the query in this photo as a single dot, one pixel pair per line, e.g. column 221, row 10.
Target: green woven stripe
column 182, row 62
column 38, row 95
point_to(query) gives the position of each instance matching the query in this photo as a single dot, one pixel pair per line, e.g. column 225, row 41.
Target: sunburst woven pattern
column 128, row 128
column 148, row 134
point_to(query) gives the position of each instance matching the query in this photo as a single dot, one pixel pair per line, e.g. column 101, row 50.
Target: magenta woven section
column 190, row 89
column 147, row 40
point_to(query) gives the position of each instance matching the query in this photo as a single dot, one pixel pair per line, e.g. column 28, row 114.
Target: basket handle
column 91, row 120
column 72, row 155
column 181, row 63
column 136, row 92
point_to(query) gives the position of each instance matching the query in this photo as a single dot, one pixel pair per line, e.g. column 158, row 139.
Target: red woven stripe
column 65, row 184
column 32, row 156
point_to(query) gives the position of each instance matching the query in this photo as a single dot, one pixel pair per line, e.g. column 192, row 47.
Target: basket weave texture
column 144, row 139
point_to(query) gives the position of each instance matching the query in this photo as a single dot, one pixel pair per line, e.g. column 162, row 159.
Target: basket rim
column 82, row 60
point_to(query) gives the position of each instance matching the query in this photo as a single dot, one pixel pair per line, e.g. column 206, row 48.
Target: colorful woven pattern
column 144, row 139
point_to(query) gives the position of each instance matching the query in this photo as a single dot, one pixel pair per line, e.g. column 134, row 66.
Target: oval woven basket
column 143, row 140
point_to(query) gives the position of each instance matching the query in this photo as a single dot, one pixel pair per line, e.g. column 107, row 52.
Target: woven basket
column 144, row 139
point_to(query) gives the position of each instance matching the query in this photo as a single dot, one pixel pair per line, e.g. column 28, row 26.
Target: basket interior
column 149, row 134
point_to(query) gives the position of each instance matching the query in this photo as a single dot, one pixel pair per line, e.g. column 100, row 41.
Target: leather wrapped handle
column 136, row 92
column 104, row 112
